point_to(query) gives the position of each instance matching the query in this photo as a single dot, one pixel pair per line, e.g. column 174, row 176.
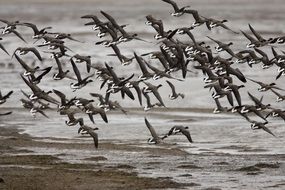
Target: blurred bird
column 179, row 129
column 155, row 139
column 4, row 98
column 90, row 131
column 173, row 94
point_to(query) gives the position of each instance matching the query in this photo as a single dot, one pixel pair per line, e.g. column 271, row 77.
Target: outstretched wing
column 151, row 129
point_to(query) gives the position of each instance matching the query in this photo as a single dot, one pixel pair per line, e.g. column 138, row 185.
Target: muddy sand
column 43, row 161
column 21, row 169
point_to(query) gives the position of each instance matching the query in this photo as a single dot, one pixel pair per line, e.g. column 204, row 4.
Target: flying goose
column 260, row 125
column 86, row 59
column 173, row 94
column 4, row 98
column 38, row 33
column 80, row 82
column 39, row 93
column 155, row 139
column 90, row 131
column 25, row 50
column 264, row 87
column 279, row 96
column 179, row 129
column 154, row 89
column 70, row 112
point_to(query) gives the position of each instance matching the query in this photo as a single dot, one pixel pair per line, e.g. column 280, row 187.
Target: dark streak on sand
column 256, row 169
column 189, row 166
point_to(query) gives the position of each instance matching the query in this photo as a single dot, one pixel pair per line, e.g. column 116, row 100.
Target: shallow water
column 222, row 147
column 223, row 138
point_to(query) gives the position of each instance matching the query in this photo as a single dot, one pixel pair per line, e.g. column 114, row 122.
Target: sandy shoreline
column 23, row 169
column 48, row 163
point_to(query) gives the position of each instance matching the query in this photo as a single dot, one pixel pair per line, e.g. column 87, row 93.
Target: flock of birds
column 173, row 56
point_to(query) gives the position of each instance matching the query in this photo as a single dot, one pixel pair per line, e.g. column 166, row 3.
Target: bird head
column 180, row 31
column 253, row 125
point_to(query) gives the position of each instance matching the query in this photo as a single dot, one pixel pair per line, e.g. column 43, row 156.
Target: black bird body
column 185, row 30
column 95, row 21
column 257, row 35
column 260, row 125
column 114, row 105
column 219, row 107
column 173, row 94
column 123, row 59
column 276, row 113
column 11, row 28
column 154, row 89
column 91, row 132
column 155, row 139
column 177, row 11
column 253, row 109
column 38, row 93
column 38, row 33
column 37, row 79
column 258, row 102
column 60, row 74
column 28, row 104
column 70, row 112
column 235, row 89
column 135, row 85
column 81, row 59
column 90, row 109
column 253, row 42
column 25, row 50
column 223, row 47
column 103, row 101
column 266, row 63
column 80, row 82
column 6, row 113
column 64, row 102
column 264, row 87
column 220, row 92
column 125, row 36
column 145, row 73
column 180, row 129
column 4, row 98
column 213, row 23
column 250, row 57
column 279, row 96
column 148, row 105
column 62, row 36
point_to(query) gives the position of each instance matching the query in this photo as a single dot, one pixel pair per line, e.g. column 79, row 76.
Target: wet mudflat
column 43, row 153
column 221, row 161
